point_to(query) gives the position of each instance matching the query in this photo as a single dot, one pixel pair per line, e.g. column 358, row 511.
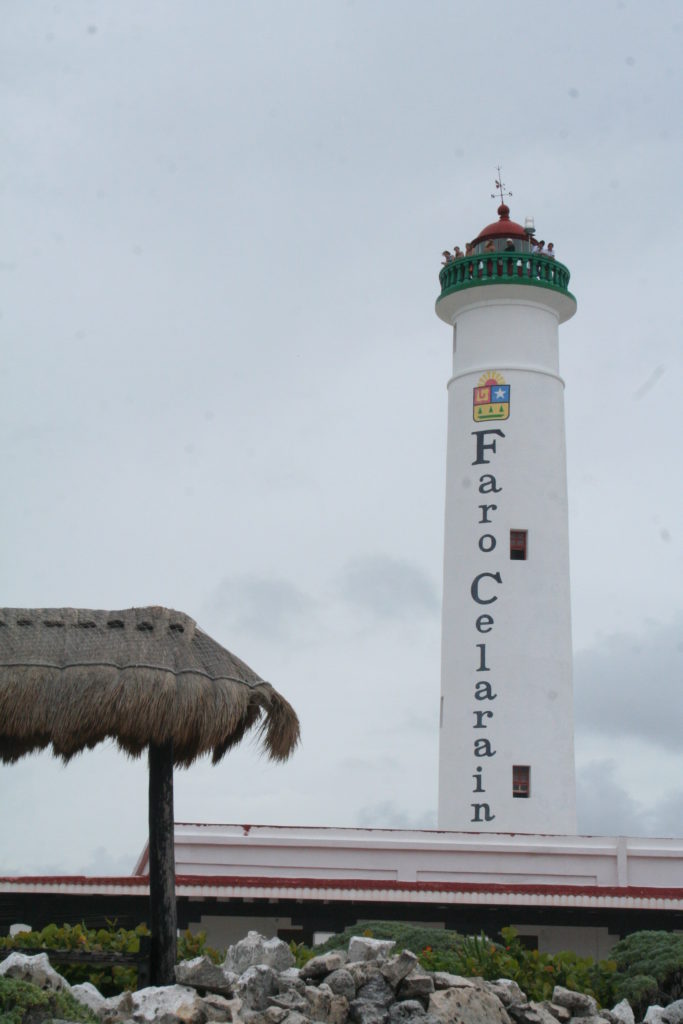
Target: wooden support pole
column 162, row 902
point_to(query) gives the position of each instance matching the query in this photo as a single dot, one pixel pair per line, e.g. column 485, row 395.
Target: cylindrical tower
column 506, row 747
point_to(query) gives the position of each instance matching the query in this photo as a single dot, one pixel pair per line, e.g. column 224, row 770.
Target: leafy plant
column 190, row 946
column 406, row 936
column 302, row 953
column 109, row 980
column 536, row 973
column 650, row 966
column 21, row 1002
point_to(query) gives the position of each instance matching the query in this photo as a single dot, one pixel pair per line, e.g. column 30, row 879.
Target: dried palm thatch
column 71, row 678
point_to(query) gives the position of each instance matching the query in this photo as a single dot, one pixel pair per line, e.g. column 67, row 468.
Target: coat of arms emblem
column 491, row 397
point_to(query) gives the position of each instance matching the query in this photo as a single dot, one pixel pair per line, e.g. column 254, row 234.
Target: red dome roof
column 503, row 228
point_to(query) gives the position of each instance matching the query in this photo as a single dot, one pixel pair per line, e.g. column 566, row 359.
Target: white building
column 506, row 752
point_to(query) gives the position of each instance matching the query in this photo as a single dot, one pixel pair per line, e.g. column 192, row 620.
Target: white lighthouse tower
column 506, row 750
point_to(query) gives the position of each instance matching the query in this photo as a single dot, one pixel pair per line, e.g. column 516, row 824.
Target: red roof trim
column 365, row 884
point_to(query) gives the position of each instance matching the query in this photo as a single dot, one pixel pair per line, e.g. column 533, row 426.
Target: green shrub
column 535, row 973
column 190, row 946
column 23, row 1003
column 648, row 957
column 478, row 956
column 406, row 936
column 641, row 990
column 109, row 980
column 302, row 953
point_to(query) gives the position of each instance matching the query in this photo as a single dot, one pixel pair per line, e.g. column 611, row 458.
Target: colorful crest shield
column 491, row 397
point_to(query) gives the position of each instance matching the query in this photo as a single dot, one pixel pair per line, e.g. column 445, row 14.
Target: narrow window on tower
column 518, row 540
column 521, row 780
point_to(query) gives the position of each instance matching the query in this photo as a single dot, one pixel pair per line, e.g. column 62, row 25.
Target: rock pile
column 370, row 984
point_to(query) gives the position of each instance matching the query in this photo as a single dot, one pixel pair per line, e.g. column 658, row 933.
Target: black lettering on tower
column 482, row 748
column 478, row 809
column 487, row 542
column 485, row 512
column 478, row 788
column 484, row 691
column 483, row 667
column 483, row 446
column 480, row 716
column 474, row 589
column 484, row 624
column 487, row 484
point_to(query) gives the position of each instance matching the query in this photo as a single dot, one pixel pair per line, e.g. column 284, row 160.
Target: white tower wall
column 521, row 647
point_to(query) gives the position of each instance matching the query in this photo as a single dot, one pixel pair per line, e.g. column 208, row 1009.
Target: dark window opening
column 521, row 780
column 518, row 545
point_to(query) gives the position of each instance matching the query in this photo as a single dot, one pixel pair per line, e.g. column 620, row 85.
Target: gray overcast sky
column 223, row 382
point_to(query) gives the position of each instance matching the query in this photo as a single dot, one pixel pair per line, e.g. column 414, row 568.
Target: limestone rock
column 117, row 1008
column 442, row 979
column 36, row 969
column 342, row 984
column 409, row 1011
column 171, row 1001
column 377, row 990
column 654, row 1015
column 255, row 986
column 318, row 999
column 290, row 999
column 362, row 971
column 363, row 948
column 339, row 1010
column 530, row 1013
column 255, row 949
column 89, row 996
column 294, row 1017
column 673, row 1013
column 624, row 1012
column 363, row 1011
column 396, row 968
column 467, row 1006
column 580, row 1004
column 203, row 974
column 271, row 1015
column 560, row 1013
column 290, row 979
column 417, row 985
column 508, row 991
column 218, row 1008
column 319, row 966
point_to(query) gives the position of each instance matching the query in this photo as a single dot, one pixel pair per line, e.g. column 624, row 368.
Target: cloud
column 605, row 808
column 630, row 686
column 387, row 814
column 666, row 817
column 266, row 608
column 389, row 588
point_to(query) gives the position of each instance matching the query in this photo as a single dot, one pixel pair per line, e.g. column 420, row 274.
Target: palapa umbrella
column 148, row 678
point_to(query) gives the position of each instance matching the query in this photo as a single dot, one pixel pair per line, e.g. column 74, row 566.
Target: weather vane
column 500, row 185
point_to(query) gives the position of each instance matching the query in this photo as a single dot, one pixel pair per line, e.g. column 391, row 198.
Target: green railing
column 504, row 268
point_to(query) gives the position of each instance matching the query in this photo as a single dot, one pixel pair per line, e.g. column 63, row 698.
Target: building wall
column 409, row 855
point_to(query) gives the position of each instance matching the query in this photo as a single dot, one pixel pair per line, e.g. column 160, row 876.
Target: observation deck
column 482, row 277
column 503, row 262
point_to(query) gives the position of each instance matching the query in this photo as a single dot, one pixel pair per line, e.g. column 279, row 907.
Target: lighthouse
column 506, row 738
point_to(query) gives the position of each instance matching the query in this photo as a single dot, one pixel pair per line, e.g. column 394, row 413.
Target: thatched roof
column 72, row 677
